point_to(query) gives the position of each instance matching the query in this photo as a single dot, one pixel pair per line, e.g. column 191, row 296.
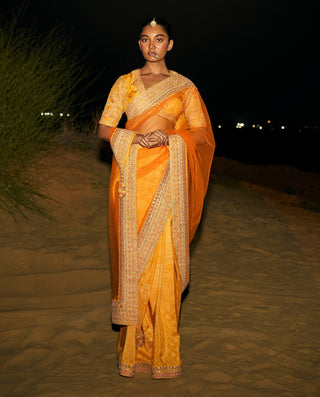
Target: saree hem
column 129, row 371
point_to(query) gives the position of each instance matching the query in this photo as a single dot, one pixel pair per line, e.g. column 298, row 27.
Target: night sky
column 252, row 60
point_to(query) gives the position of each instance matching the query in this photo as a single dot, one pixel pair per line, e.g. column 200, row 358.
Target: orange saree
column 155, row 204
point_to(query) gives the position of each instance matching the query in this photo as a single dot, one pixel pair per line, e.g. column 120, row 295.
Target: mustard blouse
column 128, row 95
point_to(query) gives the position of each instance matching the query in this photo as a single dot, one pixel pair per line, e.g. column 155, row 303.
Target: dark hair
column 160, row 21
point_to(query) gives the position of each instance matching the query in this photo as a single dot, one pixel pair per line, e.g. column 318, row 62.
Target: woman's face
column 154, row 43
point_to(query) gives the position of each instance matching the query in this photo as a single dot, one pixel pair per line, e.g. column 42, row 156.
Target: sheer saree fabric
column 155, row 204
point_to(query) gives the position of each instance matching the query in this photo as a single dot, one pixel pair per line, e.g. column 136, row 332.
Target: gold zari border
column 156, row 372
column 135, row 252
column 179, row 205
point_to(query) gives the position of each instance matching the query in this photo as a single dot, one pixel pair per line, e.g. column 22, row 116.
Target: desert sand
column 250, row 322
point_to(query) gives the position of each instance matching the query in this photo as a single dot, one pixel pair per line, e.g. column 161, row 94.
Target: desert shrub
column 38, row 74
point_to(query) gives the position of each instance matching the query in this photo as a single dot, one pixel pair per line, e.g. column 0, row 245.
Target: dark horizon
column 251, row 61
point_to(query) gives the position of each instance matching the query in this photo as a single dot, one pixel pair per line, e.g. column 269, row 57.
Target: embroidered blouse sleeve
column 193, row 108
column 116, row 104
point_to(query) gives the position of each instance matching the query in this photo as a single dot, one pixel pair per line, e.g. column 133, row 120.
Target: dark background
column 252, row 60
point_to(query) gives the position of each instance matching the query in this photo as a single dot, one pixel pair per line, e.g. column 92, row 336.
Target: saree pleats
column 154, row 345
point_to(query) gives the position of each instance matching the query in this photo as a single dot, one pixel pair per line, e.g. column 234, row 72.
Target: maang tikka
column 153, row 23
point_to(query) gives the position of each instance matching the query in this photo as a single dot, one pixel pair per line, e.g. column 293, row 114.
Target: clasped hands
column 152, row 139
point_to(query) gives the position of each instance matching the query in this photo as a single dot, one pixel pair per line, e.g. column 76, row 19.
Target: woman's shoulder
column 126, row 77
column 124, row 81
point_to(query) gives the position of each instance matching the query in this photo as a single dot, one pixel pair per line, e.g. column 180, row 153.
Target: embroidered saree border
column 125, row 309
column 120, row 142
column 135, row 252
column 179, row 200
column 156, row 372
column 154, row 223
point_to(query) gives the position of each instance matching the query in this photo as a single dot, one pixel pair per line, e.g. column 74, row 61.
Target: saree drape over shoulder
column 155, row 204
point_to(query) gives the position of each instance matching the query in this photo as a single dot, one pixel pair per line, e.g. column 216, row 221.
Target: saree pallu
column 155, row 204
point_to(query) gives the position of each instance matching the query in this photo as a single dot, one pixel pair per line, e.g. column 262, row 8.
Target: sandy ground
column 250, row 323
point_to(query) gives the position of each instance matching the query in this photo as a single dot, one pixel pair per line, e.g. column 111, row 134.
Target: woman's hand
column 141, row 140
column 154, row 139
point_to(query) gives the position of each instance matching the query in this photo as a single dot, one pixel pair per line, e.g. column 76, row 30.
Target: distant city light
column 260, row 128
column 283, row 127
column 219, row 126
column 240, row 125
column 51, row 114
column 268, row 121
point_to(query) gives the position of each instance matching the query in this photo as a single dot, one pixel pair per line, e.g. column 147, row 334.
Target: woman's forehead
column 152, row 31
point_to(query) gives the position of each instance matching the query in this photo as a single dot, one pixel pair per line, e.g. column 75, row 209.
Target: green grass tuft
column 38, row 73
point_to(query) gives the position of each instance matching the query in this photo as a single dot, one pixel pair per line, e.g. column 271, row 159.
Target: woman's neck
column 155, row 68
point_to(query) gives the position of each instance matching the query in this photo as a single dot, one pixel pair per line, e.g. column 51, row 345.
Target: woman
column 158, row 181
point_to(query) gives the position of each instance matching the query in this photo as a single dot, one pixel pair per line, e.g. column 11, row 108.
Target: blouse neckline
column 140, row 82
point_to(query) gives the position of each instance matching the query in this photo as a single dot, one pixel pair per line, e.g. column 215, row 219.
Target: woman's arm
column 104, row 132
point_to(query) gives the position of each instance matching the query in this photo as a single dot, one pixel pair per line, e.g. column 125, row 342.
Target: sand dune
column 250, row 323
